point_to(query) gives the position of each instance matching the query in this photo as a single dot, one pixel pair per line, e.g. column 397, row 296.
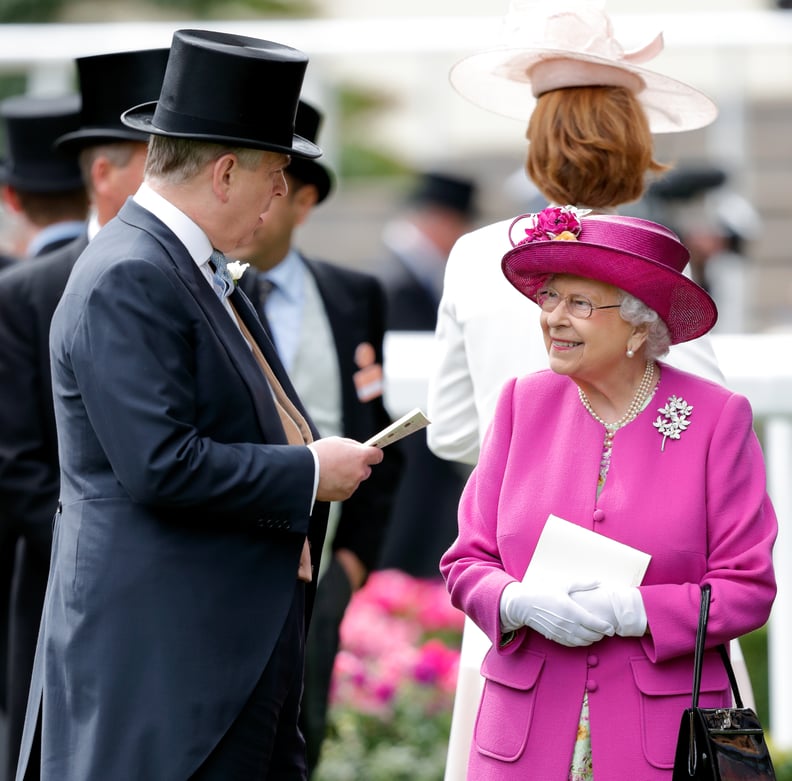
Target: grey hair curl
column 636, row 313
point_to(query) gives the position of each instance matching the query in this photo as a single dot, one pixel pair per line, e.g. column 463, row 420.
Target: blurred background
column 380, row 73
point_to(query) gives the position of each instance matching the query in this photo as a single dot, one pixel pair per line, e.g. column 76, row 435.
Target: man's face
column 251, row 196
column 273, row 238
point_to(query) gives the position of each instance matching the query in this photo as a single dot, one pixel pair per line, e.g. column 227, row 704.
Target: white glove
column 548, row 609
column 623, row 607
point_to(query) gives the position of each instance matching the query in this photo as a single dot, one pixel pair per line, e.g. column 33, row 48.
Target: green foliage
column 32, row 11
column 408, row 745
column 17, row 11
column 754, row 648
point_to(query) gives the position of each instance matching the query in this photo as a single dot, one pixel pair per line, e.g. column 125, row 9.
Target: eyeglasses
column 578, row 306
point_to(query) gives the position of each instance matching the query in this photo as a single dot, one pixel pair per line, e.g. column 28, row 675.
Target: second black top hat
column 307, row 125
column 109, row 85
column 229, row 89
column 32, row 125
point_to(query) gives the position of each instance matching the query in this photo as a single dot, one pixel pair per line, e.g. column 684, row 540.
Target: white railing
column 757, row 366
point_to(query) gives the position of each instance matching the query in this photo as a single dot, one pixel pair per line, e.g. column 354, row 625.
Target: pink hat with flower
column 638, row 256
column 553, row 45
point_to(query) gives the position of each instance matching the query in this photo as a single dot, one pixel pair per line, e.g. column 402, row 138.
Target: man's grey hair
column 177, row 160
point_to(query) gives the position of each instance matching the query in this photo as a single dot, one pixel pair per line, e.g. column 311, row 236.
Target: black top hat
column 229, row 89
column 32, row 125
column 110, row 84
column 451, row 192
column 684, row 184
column 307, row 125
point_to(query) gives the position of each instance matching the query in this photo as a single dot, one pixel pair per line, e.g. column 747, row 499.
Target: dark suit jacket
column 355, row 306
column 29, row 478
column 182, row 518
column 412, row 306
column 29, row 471
column 424, row 519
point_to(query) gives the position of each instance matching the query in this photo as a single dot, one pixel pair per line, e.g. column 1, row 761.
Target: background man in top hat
column 438, row 211
column 42, row 187
column 173, row 625
column 111, row 157
column 44, row 197
column 328, row 324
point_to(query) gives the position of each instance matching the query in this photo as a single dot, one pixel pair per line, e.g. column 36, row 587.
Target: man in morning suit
column 327, row 323
column 46, row 203
column 111, row 157
column 192, row 503
column 42, row 187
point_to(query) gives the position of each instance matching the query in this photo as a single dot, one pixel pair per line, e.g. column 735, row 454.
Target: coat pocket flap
column 517, row 671
column 676, row 676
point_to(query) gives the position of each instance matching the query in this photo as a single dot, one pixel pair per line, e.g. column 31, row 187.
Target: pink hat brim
column 686, row 308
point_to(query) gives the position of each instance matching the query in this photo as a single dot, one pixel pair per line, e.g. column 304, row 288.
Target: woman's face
column 585, row 348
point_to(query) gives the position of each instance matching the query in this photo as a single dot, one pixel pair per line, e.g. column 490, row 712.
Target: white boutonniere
column 236, row 270
column 674, row 419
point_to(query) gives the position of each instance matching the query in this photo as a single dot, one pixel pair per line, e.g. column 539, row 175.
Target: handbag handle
column 698, row 660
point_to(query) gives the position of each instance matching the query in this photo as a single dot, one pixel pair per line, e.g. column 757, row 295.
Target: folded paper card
column 407, row 424
column 569, row 552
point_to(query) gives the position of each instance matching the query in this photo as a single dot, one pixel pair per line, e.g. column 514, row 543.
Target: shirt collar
column 185, row 229
column 287, row 275
column 57, row 231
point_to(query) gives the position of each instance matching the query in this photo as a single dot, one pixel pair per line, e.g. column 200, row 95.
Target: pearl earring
column 630, row 353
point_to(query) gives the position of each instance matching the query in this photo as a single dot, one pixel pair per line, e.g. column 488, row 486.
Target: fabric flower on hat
column 555, row 223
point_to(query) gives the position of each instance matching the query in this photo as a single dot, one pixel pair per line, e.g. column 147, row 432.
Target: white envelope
column 571, row 553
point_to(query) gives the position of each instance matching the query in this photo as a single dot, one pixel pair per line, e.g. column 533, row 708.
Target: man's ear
column 305, row 197
column 223, row 171
column 11, row 199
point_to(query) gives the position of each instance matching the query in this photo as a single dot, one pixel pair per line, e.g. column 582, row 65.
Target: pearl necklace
column 636, row 405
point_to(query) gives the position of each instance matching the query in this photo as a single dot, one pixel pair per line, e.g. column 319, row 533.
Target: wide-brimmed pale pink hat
column 553, row 45
column 638, row 256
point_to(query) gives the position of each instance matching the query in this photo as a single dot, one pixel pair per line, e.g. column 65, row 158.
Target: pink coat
column 699, row 507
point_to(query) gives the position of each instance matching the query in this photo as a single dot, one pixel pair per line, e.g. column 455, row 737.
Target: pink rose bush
column 393, row 683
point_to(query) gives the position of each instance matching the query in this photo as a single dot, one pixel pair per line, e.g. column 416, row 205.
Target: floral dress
column 581, row 768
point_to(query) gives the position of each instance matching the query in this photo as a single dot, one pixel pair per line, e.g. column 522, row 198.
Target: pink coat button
column 599, row 515
column 592, row 686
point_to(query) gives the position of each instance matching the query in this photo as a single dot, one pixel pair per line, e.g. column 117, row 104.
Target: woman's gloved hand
column 623, row 607
column 549, row 609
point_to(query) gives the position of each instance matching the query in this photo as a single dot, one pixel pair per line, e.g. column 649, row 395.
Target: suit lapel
column 217, row 318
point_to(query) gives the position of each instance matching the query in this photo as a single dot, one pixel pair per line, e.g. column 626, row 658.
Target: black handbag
column 719, row 744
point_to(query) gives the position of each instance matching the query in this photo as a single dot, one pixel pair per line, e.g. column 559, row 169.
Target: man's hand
column 343, row 465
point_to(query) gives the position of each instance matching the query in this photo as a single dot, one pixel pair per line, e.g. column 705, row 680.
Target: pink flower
column 434, row 662
column 554, row 222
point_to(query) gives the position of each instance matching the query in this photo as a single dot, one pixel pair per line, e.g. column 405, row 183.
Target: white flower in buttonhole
column 236, row 270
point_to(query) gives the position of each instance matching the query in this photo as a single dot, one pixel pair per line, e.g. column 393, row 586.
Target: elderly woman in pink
column 588, row 676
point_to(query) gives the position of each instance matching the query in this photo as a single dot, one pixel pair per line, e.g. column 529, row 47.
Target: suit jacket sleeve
column 174, row 436
column 454, row 433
